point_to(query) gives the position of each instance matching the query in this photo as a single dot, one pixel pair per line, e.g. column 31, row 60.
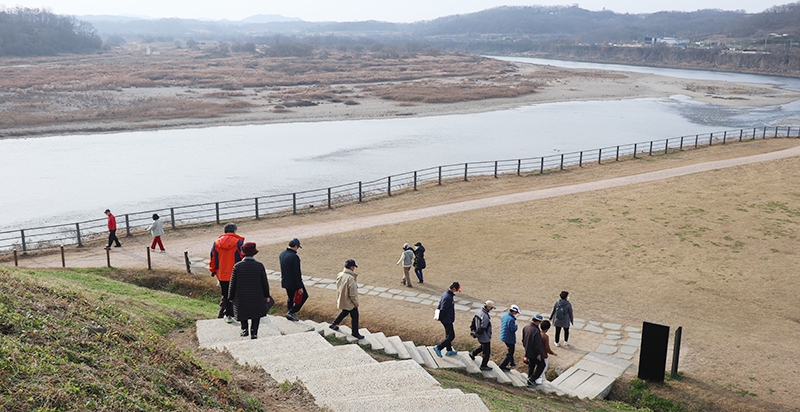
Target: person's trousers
column 157, row 241
column 486, row 348
column 292, row 307
column 449, row 335
column 353, row 318
column 407, row 275
column 225, row 305
column 509, row 359
column 535, row 370
column 566, row 333
column 253, row 325
column 418, row 272
column 546, row 365
column 112, row 238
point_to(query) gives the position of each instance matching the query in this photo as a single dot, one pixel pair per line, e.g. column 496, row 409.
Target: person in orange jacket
column 226, row 252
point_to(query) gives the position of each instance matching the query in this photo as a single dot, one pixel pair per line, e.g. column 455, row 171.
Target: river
column 71, row 178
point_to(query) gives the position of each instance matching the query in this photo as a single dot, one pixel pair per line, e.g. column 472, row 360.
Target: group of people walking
column 412, row 257
column 156, row 229
column 534, row 335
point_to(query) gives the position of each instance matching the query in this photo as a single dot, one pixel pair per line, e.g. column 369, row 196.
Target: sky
column 398, row 11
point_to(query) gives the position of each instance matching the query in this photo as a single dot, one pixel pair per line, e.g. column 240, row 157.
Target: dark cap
column 295, row 242
column 418, row 244
column 456, row 286
column 350, row 263
column 249, row 249
column 107, row 211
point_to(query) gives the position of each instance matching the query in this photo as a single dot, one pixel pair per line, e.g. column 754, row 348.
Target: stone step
column 612, row 362
column 495, row 373
column 413, row 352
column 446, row 362
column 292, row 346
column 287, row 326
column 583, row 384
column 282, row 367
column 446, row 400
column 348, row 333
column 215, row 333
column 370, row 340
column 404, row 376
column 426, row 357
column 327, row 331
column 388, row 348
column 402, row 352
column 471, row 366
column 517, row 379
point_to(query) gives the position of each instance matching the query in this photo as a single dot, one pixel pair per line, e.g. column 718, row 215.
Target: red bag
column 298, row 296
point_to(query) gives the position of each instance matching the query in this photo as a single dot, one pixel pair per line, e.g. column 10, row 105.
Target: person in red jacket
column 112, row 230
column 226, row 252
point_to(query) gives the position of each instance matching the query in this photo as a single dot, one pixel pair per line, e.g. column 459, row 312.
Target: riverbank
column 454, row 85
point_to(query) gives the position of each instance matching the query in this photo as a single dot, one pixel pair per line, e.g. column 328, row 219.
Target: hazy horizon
column 358, row 10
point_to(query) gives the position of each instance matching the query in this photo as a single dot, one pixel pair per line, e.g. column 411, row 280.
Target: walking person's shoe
column 244, row 332
column 538, row 381
column 451, row 353
column 471, row 356
column 334, row 326
column 566, row 343
column 253, row 336
column 358, row 335
column 292, row 317
column 229, row 319
column 120, row 245
column 403, row 281
column 438, row 351
column 557, row 345
column 485, row 368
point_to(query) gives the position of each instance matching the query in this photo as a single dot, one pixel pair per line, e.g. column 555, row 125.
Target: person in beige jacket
column 347, row 297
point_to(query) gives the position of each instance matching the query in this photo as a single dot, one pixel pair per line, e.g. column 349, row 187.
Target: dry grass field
column 713, row 252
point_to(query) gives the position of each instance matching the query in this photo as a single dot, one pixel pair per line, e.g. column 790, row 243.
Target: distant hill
column 267, row 18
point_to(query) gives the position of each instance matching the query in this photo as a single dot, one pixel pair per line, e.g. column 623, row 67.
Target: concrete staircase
column 345, row 378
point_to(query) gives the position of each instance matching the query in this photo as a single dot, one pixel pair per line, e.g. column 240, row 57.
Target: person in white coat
column 407, row 259
column 157, row 230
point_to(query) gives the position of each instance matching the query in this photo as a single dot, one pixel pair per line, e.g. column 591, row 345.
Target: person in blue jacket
column 447, row 315
column 508, row 335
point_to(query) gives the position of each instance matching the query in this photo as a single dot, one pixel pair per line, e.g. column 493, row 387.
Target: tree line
column 37, row 32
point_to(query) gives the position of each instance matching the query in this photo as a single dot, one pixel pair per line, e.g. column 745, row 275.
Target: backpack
column 475, row 326
column 561, row 312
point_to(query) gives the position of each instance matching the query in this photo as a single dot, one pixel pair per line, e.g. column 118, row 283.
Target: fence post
column 634, row 150
column 216, row 208
column 754, row 134
column 519, row 166
column 764, row 133
column 465, row 171
column 676, row 351
column 580, row 159
column 651, row 148
column 359, row 192
column 294, row 203
column 415, row 180
column 172, row 216
column 24, row 246
column 666, row 146
column 255, row 202
column 389, row 185
column 78, row 233
column 440, row 175
column 696, row 139
column 711, row 139
column 16, row 259
column 541, row 166
column 599, row 156
column 562, row 162
column 108, row 257
column 149, row 264
column 724, row 136
column 681, row 148
column 495, row 169
column 617, row 158
column 741, row 132
column 63, row 259
column 776, row 131
column 329, row 199
column 127, row 226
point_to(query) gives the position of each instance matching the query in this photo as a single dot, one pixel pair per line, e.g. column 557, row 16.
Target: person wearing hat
column 249, row 291
column 534, row 349
column 508, row 335
column 292, row 279
column 484, row 335
column 419, row 260
column 347, row 297
column 407, row 259
column 112, row 230
column 447, row 315
column 225, row 252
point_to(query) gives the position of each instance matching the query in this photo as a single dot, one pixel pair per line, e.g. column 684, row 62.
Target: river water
column 62, row 179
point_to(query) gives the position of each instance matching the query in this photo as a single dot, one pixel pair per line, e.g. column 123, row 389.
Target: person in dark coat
column 534, row 349
column 249, row 291
column 419, row 260
column 447, row 315
column 292, row 279
column 562, row 316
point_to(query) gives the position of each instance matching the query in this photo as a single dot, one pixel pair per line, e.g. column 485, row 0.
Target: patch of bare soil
column 272, row 395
